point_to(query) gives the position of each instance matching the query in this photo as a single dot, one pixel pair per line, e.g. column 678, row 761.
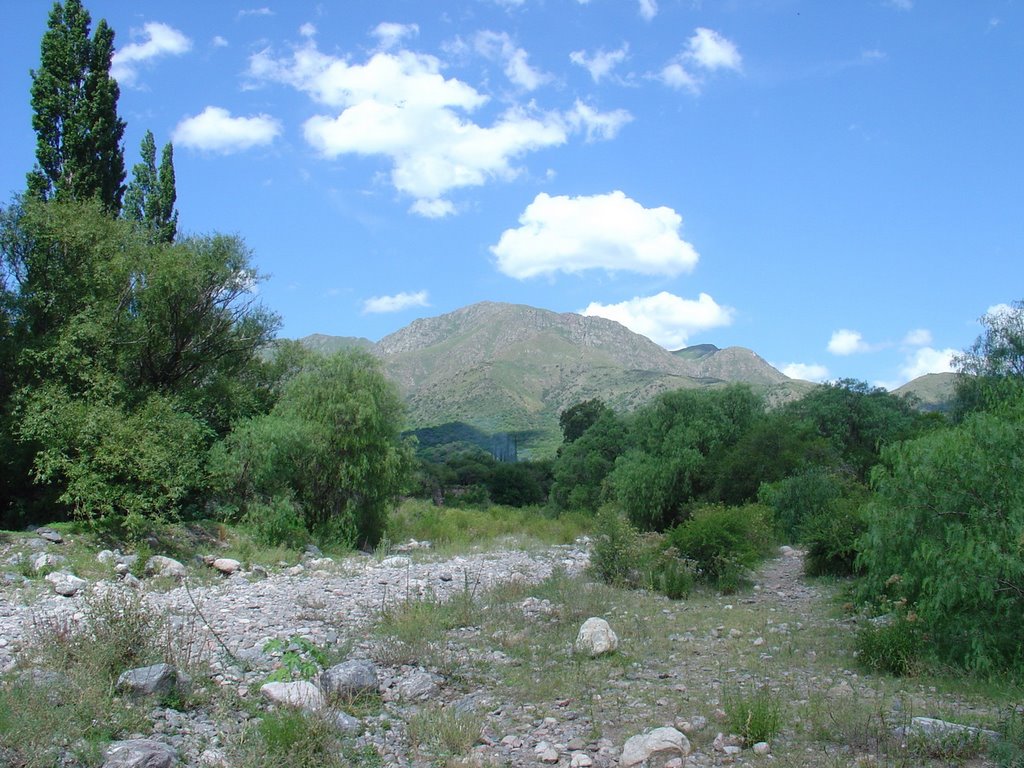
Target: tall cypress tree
column 74, row 105
column 151, row 194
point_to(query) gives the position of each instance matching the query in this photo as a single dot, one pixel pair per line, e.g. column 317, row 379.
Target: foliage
column 582, row 466
column 150, row 196
column 892, row 643
column 946, row 533
column 1008, row 752
column 857, row 420
column 289, row 738
column 992, row 368
column 443, row 730
column 669, row 574
column 576, row 420
column 831, row 538
column 331, row 444
column 301, row 658
column 753, row 717
column 613, row 557
column 112, row 464
column 724, row 542
column 276, row 522
column 74, row 106
column 670, row 441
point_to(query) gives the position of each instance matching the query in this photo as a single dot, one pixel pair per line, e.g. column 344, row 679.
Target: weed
column 754, row 717
column 443, row 731
column 893, row 645
column 288, row 738
column 301, row 659
column 1008, row 751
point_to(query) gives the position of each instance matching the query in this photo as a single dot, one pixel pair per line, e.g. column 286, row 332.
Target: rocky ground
column 677, row 664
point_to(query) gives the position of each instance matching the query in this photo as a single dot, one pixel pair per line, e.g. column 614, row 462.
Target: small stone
column 66, row 584
column 349, row 679
column 50, row 535
column 154, row 680
column 580, row 760
column 735, row 633
column 549, row 756
column 762, row 748
column 732, row 749
column 596, row 638
column 758, row 642
column 139, row 753
column 654, row 748
column 158, row 565
column 301, row 694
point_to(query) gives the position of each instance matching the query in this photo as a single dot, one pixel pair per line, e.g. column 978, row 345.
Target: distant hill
column 513, row 368
column 324, row 344
column 933, row 391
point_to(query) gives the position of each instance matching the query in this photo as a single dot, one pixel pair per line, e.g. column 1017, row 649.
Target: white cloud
column 255, row 12
column 919, row 337
column 219, row 42
column 499, row 46
column 705, row 50
column 395, row 303
column 399, row 105
column 999, row 309
column 900, row 5
column 675, row 75
column 597, row 125
column 928, row 360
column 214, row 129
column 806, row 371
column 160, row 40
column 648, row 9
column 601, row 64
column 307, row 30
column 610, row 232
column 847, row 342
column 709, row 50
column 665, row 318
column 390, row 33
column 433, row 209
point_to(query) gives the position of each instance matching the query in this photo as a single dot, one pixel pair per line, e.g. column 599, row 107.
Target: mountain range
column 509, row 368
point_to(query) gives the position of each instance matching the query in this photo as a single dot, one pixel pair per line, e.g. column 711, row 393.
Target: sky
column 835, row 185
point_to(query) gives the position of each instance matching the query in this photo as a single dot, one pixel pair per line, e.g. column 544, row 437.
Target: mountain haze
column 513, row 368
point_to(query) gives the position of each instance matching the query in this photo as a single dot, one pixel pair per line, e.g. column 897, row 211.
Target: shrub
column 277, row 523
column 831, row 539
column 672, row 575
column 616, row 547
column 724, row 542
column 946, row 533
column 892, row 644
column 289, row 738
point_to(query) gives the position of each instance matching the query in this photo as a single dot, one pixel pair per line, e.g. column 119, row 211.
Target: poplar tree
column 151, row 195
column 74, row 112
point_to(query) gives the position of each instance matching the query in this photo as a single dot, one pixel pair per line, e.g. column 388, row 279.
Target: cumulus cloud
column 706, row 51
column 219, row 42
column 307, row 30
column 159, row 40
column 648, row 9
column 919, row 337
column 391, row 34
column 597, row 125
column 601, row 64
column 399, row 105
column 665, row 318
column 499, row 46
column 847, row 342
column 396, row 303
column 215, row 130
column 806, row 371
column 928, row 360
column 610, row 232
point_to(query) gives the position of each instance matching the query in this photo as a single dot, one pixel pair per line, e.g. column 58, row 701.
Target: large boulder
column 654, row 748
column 66, row 584
column 158, row 565
column 154, row 680
column 226, row 565
column 596, row 637
column 349, row 679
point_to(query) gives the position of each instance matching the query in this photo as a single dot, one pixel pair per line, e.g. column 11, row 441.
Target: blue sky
column 835, row 185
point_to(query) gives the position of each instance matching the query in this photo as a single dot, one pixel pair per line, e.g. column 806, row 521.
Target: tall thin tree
column 74, row 112
column 151, row 194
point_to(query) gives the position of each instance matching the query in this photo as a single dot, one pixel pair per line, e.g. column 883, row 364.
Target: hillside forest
column 141, row 384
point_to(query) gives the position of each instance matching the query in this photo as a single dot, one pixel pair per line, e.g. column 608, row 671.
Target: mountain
column 513, row 368
column 327, row 345
column 933, row 391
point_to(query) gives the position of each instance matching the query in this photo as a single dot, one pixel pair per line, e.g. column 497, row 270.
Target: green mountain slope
column 933, row 391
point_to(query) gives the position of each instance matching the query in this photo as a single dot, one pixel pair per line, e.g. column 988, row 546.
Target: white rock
column 65, row 584
column 654, row 748
column 581, row 760
column 396, row 561
column 139, row 753
column 158, row 565
column 46, row 560
column 762, row 748
column 932, row 727
column 301, row 694
column 596, row 637
column 226, row 565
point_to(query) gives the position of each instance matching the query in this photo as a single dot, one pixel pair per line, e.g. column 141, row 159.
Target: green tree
column 946, row 534
column 577, row 419
column 582, row 466
column 331, row 445
column 992, row 368
column 151, row 194
column 74, row 105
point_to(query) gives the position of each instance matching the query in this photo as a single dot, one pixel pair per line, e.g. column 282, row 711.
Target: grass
column 443, row 731
column 754, row 716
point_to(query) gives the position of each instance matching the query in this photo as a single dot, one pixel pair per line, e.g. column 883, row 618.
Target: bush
column 616, row 547
column 277, row 523
column 892, row 644
column 831, row 539
column 753, row 717
column 946, row 533
column 671, row 575
column 724, row 542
